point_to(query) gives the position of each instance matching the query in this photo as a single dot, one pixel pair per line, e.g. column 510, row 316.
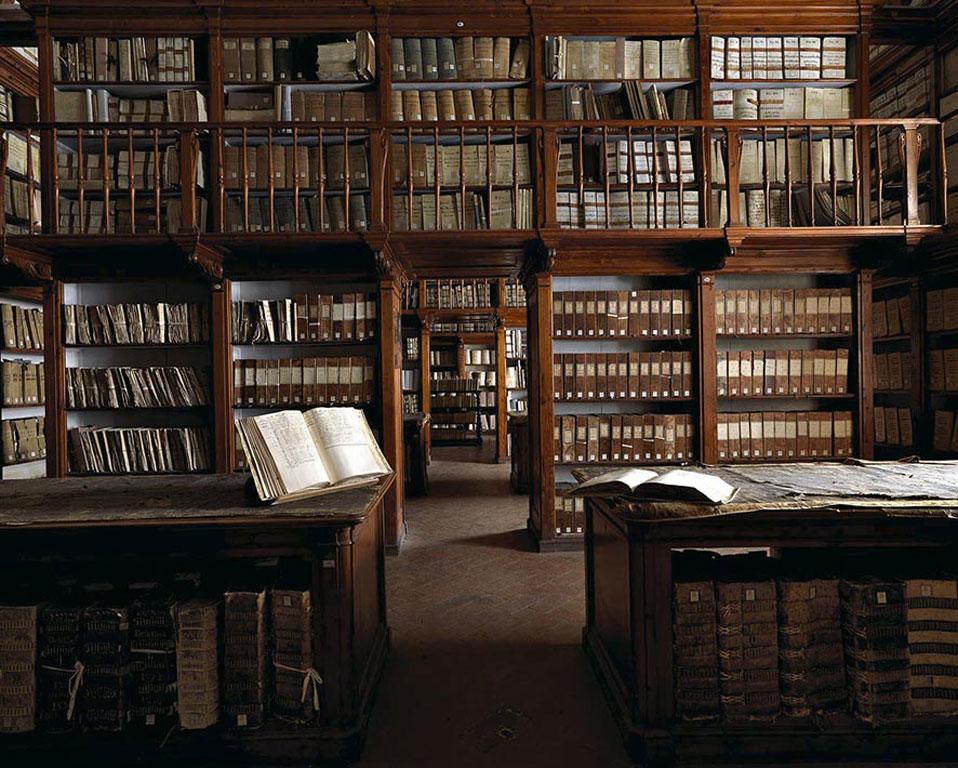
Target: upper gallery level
column 494, row 125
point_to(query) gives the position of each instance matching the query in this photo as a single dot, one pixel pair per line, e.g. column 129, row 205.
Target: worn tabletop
column 168, row 500
column 927, row 489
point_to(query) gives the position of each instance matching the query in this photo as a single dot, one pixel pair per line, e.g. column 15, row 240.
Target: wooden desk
column 629, row 637
column 113, row 528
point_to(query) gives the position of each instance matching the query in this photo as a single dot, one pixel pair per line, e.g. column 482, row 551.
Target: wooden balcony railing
column 246, row 178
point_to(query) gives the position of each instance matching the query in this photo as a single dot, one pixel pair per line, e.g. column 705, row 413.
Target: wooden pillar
column 541, row 407
column 390, row 366
column 425, row 382
column 217, row 110
column 864, row 360
column 548, row 178
column 911, row 146
column 733, row 167
column 48, row 150
column 54, row 380
column 502, row 399
column 224, row 433
column 189, row 156
column 706, row 374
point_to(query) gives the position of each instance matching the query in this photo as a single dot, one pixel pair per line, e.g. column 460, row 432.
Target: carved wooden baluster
column 55, row 224
column 834, row 175
column 515, row 178
column 788, row 177
column 409, row 180
column 489, row 161
column 811, row 177
column 857, row 176
column 245, row 160
column 104, row 173
column 655, row 177
column 607, row 190
column 462, row 178
column 705, row 189
column 581, row 172
column 221, row 214
column 630, row 166
column 81, row 173
column 157, row 179
column 295, row 178
column 943, row 186
column 130, row 180
column 346, row 180
column 271, row 189
column 4, row 158
column 678, row 155
column 436, row 176
column 322, row 180
column 880, row 170
column 766, row 178
column 31, row 223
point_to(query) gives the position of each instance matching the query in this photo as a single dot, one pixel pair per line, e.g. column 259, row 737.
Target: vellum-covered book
column 295, row 455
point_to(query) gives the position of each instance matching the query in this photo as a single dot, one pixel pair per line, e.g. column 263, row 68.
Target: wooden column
column 706, row 374
column 189, row 157
column 502, row 398
column 541, row 408
column 425, row 382
column 224, row 433
column 864, row 359
column 217, row 109
column 733, row 167
column 390, row 366
column 911, row 151
column 48, row 150
column 54, row 380
column 547, row 178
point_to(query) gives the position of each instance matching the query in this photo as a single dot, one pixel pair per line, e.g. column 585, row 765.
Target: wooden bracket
column 734, row 238
column 389, row 266
column 32, row 267
column 208, row 260
column 540, row 257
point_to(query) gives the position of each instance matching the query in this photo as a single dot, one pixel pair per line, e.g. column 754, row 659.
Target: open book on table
column 294, row 455
column 645, row 485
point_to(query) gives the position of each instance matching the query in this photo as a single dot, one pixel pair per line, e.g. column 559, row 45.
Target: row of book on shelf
column 945, row 430
column 23, row 383
column 135, row 323
column 569, row 513
column 22, row 327
column 500, row 209
column 794, row 435
column 456, row 294
column 516, row 342
column 283, row 166
column 480, row 356
column 942, row 369
column 284, row 103
column 98, row 105
column 249, row 60
column 641, row 313
column 941, row 309
column 808, row 103
column 331, row 214
column 779, row 58
column 450, row 382
column 19, row 206
column 795, row 372
column 792, row 612
column 631, row 101
column 305, row 317
column 893, row 371
column 127, row 387
column 570, row 58
column 602, row 438
column 141, row 170
column 622, row 375
column 784, row 208
column 425, row 165
column 649, row 210
column 125, row 60
column 462, row 105
column 891, row 317
column 487, row 422
column 663, row 160
column 23, row 440
column 139, row 450
column 894, row 426
column 455, row 399
column 464, row 325
column 123, row 215
column 304, row 381
column 151, row 660
column 515, row 296
column 516, row 377
column 461, row 58
column 443, row 358
column 783, row 311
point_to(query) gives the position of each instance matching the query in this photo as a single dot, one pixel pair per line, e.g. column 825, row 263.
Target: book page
column 346, row 443
column 710, row 488
column 616, row 482
column 290, row 447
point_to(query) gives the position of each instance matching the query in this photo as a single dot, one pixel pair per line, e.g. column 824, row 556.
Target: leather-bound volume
column 282, row 63
column 248, row 59
column 398, row 57
column 18, row 662
column 264, row 59
column 232, row 69
column 197, row 663
column 465, row 108
column 447, row 53
column 465, row 59
column 483, row 58
column 430, row 59
column 412, row 56
column 244, row 658
column 105, row 652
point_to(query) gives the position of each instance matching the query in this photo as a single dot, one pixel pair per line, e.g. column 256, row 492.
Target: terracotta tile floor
column 486, row 668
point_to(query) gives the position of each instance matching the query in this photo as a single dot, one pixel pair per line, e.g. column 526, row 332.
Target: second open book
column 644, row 484
column 294, row 455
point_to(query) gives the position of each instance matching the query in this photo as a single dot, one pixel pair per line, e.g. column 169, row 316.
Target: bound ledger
column 645, row 485
column 294, row 455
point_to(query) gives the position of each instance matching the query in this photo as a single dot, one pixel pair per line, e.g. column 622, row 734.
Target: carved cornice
column 33, row 267
column 206, row 259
